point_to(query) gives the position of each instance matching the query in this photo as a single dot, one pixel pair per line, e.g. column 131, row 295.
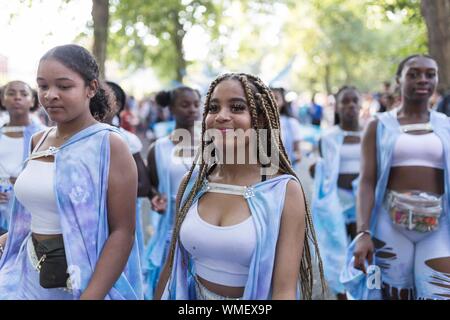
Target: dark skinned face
column 419, row 79
column 349, row 105
column 186, row 108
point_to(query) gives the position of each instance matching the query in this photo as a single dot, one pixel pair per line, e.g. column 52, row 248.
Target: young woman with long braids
column 169, row 159
column 335, row 178
column 241, row 231
column 17, row 98
column 72, row 232
column 403, row 202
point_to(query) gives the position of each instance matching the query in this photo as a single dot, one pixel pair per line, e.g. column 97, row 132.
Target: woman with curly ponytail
column 72, row 232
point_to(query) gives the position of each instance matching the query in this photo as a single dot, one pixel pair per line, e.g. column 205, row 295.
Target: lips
column 223, row 130
column 422, row 90
column 53, row 109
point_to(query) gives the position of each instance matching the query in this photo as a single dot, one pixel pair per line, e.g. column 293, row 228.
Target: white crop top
column 350, row 158
column 11, row 156
column 34, row 190
column 422, row 150
column 221, row 255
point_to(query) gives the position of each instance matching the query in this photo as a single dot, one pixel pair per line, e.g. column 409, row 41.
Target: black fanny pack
column 52, row 263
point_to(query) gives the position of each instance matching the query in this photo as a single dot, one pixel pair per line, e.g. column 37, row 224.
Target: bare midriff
column 225, row 291
column 425, row 179
column 345, row 180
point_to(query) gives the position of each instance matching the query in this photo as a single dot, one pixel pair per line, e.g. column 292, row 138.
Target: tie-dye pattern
column 81, row 181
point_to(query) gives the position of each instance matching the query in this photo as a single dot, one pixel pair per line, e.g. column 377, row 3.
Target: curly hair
column 82, row 62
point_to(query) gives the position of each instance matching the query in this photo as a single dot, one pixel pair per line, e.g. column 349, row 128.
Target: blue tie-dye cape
column 81, row 186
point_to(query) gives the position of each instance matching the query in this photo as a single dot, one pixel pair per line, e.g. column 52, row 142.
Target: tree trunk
column 437, row 17
column 328, row 79
column 100, row 16
column 178, row 42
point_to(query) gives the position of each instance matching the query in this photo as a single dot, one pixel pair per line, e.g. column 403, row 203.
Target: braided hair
column 261, row 103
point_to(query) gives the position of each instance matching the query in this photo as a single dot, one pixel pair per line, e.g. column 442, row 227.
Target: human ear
column 92, row 88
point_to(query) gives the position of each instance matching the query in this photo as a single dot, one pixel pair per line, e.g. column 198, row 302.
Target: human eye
column 213, row 107
column 237, row 107
column 42, row 86
column 412, row 74
column 431, row 75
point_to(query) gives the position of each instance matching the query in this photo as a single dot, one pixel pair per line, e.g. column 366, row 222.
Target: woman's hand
column 4, row 197
column 159, row 203
column 364, row 250
column 3, row 238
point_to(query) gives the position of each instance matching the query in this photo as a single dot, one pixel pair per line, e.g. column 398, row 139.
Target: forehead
column 17, row 85
column 187, row 95
column 421, row 63
column 228, row 88
column 53, row 69
column 348, row 94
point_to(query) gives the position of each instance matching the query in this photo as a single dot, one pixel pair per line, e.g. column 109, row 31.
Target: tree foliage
column 151, row 33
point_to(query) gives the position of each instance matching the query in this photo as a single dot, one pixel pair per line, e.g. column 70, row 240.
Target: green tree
column 151, row 33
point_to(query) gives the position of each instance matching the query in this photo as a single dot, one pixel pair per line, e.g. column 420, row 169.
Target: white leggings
column 413, row 265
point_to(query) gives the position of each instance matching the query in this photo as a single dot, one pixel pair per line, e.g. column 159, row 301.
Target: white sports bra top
column 350, row 158
column 11, row 156
column 423, row 150
column 34, row 188
column 221, row 255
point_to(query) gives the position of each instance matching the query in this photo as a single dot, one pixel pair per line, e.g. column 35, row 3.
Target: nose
column 50, row 94
column 422, row 78
column 17, row 96
column 223, row 115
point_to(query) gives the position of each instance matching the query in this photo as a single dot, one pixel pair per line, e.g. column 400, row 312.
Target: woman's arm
column 290, row 244
column 157, row 200
column 312, row 168
column 152, row 173
column 122, row 194
column 366, row 195
column 143, row 179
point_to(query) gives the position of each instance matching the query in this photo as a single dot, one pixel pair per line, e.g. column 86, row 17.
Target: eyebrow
column 231, row 100
column 60, row 79
column 417, row 68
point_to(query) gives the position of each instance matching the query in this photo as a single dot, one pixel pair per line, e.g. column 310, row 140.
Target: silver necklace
column 13, row 129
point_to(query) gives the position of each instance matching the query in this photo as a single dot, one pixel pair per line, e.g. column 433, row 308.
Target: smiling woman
column 403, row 201
column 240, row 232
